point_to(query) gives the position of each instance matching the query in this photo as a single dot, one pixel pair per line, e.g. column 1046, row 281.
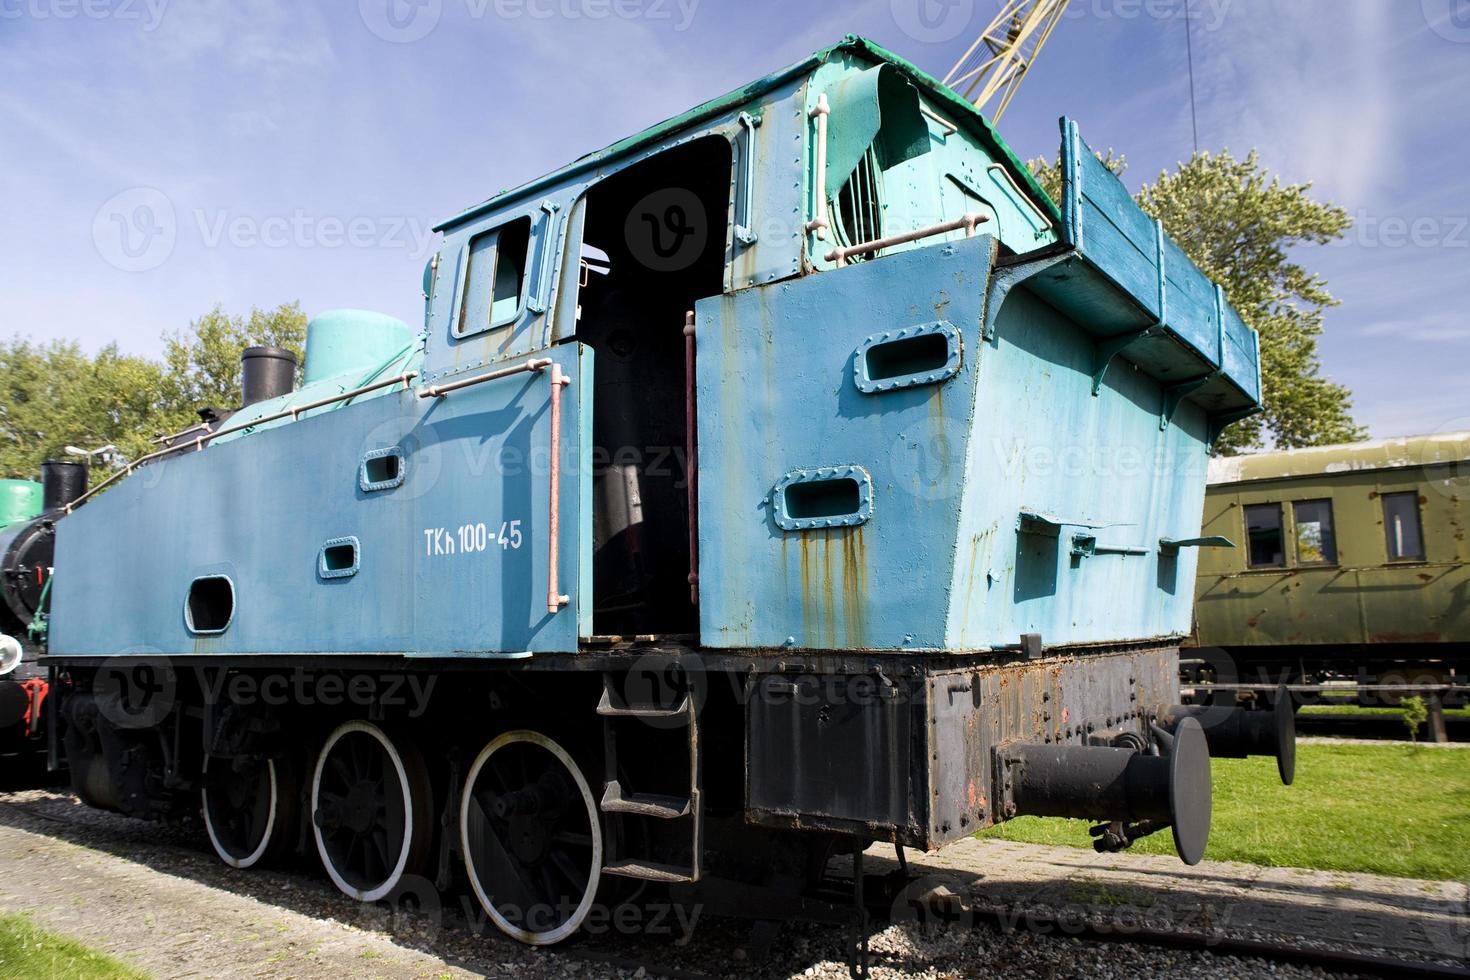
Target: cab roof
column 1376, row 454
column 965, row 114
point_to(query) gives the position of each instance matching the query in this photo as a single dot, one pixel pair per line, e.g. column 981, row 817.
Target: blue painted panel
column 452, row 561
column 1127, row 263
column 1240, row 355
column 1190, row 303
column 1109, row 228
column 1095, row 465
column 776, row 394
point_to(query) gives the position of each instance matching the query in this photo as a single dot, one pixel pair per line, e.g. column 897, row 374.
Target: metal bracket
column 1008, row 277
column 1176, row 393
column 1222, row 420
column 1169, row 545
column 1085, row 546
column 1105, row 350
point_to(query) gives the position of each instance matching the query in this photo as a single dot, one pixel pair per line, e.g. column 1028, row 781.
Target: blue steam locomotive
column 792, row 475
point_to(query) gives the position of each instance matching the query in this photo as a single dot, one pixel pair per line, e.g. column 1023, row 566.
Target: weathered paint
column 943, row 562
column 259, row 510
column 1363, row 597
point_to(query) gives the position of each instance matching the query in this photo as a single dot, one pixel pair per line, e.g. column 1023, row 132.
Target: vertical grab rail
column 745, row 227
column 820, row 111
column 554, row 599
column 691, row 468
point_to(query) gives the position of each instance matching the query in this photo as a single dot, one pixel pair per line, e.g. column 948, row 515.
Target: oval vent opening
column 910, row 355
column 211, row 604
column 839, row 497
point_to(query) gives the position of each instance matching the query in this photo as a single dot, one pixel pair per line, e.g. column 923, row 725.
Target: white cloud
column 1309, row 84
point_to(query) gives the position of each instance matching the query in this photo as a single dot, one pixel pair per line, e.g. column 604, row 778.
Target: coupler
column 1235, row 733
column 1116, row 784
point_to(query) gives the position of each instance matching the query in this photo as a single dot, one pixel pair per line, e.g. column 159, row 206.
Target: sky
column 158, row 157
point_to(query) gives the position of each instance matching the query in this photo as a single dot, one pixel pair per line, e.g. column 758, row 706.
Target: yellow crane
column 996, row 63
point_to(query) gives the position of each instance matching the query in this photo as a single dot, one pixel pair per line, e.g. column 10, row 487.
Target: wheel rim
column 241, row 813
column 531, row 838
column 362, row 811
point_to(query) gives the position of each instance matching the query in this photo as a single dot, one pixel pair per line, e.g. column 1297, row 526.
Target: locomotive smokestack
column 62, row 481
column 266, row 372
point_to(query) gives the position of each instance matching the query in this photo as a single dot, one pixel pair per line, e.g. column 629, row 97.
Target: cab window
column 495, row 280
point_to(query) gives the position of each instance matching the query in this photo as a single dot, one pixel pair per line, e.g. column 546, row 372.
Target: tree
column 1239, row 225
column 203, row 362
column 54, row 395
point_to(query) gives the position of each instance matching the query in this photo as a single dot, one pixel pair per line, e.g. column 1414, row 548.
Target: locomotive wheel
column 531, row 837
column 370, row 806
column 249, row 811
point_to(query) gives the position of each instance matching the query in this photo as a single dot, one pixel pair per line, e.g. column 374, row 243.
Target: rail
column 554, row 599
column 691, row 470
column 968, row 223
column 949, row 127
column 439, row 391
column 293, row 413
column 819, row 112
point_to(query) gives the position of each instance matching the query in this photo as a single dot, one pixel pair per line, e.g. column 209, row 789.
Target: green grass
column 1394, row 810
column 1352, row 711
column 31, row 952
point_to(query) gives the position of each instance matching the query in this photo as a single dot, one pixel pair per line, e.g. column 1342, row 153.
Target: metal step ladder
column 680, row 721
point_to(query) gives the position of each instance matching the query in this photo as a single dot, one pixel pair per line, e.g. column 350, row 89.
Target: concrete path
column 173, row 927
column 1126, row 891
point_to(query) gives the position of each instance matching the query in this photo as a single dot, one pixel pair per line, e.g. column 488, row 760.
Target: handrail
column 294, row 413
column 439, row 391
column 968, row 222
column 744, row 233
column 554, row 599
column 996, row 168
column 820, row 111
column 691, row 470
column 949, row 127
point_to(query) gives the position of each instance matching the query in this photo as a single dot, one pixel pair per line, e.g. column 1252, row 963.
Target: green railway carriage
column 1350, row 563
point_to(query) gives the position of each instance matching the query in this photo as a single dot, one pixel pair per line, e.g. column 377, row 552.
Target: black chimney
column 62, row 481
column 266, row 372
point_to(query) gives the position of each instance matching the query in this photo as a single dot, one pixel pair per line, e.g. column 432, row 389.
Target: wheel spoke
column 563, row 863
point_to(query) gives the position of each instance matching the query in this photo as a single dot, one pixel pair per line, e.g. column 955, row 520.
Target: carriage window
column 1263, row 531
column 1316, row 544
column 497, row 272
column 1401, row 525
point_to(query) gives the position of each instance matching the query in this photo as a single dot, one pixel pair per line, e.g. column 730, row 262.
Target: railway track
column 1004, row 923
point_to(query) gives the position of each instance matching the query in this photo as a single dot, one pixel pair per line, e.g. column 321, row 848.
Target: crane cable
column 1189, row 55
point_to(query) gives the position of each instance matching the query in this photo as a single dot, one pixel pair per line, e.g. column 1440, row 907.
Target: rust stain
column 855, row 584
column 1428, row 637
